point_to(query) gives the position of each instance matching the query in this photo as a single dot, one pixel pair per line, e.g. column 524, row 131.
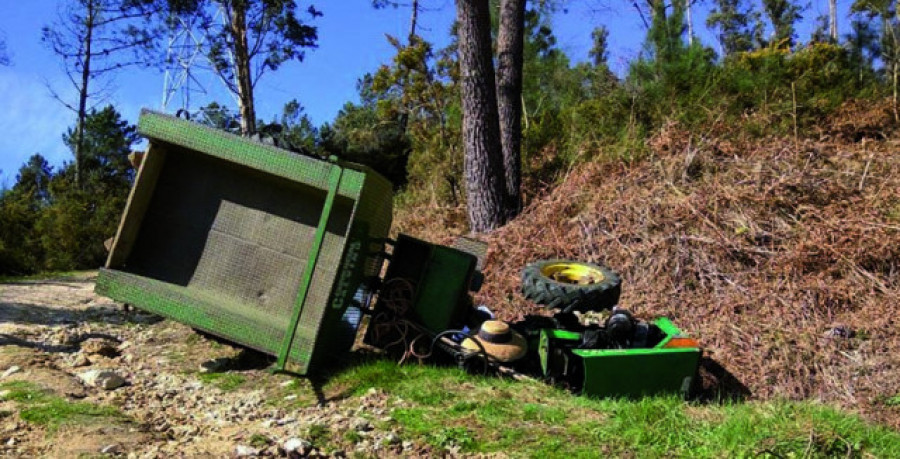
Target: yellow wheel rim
column 573, row 273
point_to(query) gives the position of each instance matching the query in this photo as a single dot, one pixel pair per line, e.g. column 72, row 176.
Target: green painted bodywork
column 623, row 372
column 243, row 240
column 444, row 287
column 440, row 277
column 334, row 183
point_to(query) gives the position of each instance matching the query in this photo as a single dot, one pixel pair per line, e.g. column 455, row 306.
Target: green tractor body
column 283, row 253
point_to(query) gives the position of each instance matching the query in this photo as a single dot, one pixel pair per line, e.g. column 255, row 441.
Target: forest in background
column 407, row 124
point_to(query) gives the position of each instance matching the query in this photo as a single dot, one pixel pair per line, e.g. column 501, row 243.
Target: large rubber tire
column 571, row 285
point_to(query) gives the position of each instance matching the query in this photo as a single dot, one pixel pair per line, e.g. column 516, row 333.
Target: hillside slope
column 782, row 256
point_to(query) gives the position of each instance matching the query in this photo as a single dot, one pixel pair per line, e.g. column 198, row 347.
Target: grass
column 224, row 381
column 449, row 409
column 48, row 276
column 259, row 440
column 41, row 407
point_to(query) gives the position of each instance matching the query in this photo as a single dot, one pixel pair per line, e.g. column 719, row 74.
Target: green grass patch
column 224, row 381
column 42, row 407
column 259, row 440
column 60, row 276
column 319, row 435
column 449, row 409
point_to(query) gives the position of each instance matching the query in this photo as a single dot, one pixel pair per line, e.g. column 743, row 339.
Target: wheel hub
column 570, row 273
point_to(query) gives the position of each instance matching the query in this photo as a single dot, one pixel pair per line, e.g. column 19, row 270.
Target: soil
column 49, row 328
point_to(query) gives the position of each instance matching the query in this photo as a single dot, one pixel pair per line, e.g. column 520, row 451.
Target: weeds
column 41, row 407
column 224, row 381
column 490, row 415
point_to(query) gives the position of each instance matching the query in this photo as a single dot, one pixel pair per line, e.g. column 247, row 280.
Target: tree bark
column 510, row 49
column 485, row 189
column 413, row 20
column 83, row 90
column 832, row 20
column 690, row 22
column 242, row 68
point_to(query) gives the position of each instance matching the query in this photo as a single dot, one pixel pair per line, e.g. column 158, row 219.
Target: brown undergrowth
column 782, row 256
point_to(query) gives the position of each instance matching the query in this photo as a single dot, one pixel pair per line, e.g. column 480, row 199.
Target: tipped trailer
column 285, row 254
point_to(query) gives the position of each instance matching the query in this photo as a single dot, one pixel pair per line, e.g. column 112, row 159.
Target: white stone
column 10, row 371
column 297, row 445
column 286, row 420
column 245, row 451
column 114, row 448
column 104, row 379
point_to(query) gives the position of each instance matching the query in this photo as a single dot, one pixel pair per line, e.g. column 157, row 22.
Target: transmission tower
column 184, row 54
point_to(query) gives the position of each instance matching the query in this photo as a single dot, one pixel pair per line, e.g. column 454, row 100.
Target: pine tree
column 783, row 15
column 739, row 28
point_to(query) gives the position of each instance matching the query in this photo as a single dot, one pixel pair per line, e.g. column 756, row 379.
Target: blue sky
column 351, row 43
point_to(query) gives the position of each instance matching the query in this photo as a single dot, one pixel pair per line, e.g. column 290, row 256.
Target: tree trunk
column 894, row 72
column 481, row 126
column 690, row 22
column 510, row 44
column 832, row 20
column 413, row 20
column 242, row 69
column 895, row 59
column 83, row 90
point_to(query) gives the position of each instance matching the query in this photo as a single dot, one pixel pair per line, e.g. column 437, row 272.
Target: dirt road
column 54, row 331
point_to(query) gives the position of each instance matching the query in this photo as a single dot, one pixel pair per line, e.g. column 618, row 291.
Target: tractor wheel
column 571, row 285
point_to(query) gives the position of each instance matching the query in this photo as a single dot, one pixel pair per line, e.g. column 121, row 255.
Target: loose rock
column 297, row 446
column 104, row 379
column 10, row 371
column 114, row 448
column 245, row 451
column 80, row 360
column 361, row 425
column 391, row 438
column 100, row 346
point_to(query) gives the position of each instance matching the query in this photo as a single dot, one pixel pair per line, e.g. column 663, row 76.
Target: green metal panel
column 623, row 372
column 244, row 151
column 233, row 230
column 635, row 374
column 334, row 182
column 443, row 287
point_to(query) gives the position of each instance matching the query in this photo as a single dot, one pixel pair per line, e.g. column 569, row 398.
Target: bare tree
column 94, row 39
column 415, row 9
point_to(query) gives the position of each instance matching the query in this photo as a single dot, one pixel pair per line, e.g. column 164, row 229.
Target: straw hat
column 499, row 341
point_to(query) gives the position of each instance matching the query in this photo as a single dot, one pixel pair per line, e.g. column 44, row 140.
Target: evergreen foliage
column 738, row 26
column 783, row 14
column 48, row 223
column 407, row 124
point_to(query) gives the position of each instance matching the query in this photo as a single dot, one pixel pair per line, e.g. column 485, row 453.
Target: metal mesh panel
column 363, row 258
column 255, row 155
column 224, row 241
